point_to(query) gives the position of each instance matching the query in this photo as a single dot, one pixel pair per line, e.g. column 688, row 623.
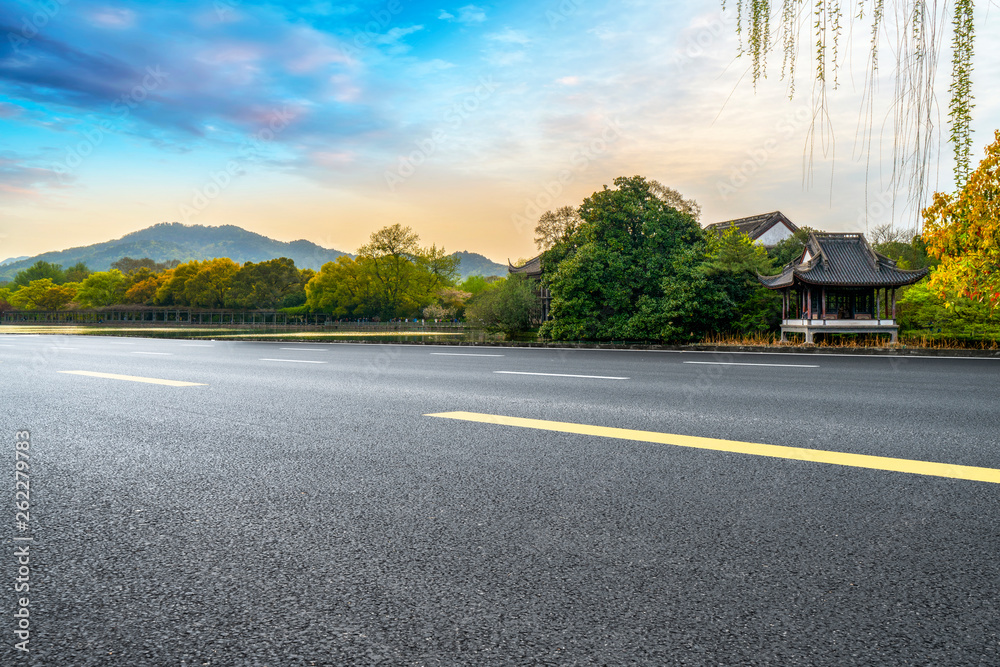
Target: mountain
column 172, row 240
column 474, row 264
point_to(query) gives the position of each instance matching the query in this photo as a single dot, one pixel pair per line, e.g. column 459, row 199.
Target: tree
column 271, row 284
column 344, row 288
column 616, row 259
column 909, row 253
column 963, row 231
column 733, row 263
column 554, row 226
column 675, row 199
column 173, row 287
column 209, row 287
column 77, row 273
column 42, row 294
column 790, row 249
column 128, row 265
column 474, row 285
column 104, row 288
column 143, row 291
column 391, row 253
column 509, row 306
column 39, row 271
column 918, row 30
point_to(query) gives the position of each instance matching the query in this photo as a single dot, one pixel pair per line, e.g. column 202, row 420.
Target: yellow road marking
column 136, row 378
column 777, row 451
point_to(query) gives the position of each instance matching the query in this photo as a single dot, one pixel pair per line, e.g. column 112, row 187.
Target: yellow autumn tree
column 963, row 231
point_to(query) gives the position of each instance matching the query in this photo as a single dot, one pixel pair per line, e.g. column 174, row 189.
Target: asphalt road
column 284, row 512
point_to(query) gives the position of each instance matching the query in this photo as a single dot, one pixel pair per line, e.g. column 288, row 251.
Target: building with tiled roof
column 533, row 269
column 767, row 229
column 840, row 285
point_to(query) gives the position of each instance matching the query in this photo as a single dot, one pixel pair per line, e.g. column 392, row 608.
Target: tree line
column 393, row 276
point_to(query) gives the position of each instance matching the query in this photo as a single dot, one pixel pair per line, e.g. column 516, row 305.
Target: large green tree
column 40, row 270
column 607, row 276
column 509, row 306
column 275, row 283
column 42, row 294
column 104, row 288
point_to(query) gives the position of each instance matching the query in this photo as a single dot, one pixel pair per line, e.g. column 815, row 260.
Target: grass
column 936, row 341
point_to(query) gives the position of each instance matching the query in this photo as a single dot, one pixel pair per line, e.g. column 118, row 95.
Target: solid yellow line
column 136, row 378
column 796, row 453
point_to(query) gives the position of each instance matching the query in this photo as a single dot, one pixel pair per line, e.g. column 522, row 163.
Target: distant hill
column 172, row 240
column 474, row 264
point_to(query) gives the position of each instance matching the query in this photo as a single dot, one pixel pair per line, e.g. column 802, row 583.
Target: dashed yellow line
column 136, row 378
column 795, row 453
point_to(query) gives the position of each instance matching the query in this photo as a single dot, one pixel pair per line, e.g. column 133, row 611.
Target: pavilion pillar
column 809, row 304
column 822, row 303
column 894, row 303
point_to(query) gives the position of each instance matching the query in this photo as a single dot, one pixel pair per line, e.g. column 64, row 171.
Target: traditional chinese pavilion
column 840, row 285
column 533, row 270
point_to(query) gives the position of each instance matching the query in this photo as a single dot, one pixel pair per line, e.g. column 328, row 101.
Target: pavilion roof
column 532, row 268
column 842, row 260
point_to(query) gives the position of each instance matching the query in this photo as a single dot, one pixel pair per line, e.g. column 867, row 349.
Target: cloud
column 113, row 17
column 425, row 68
column 19, row 179
column 393, row 39
column 568, row 81
column 509, row 36
column 467, row 14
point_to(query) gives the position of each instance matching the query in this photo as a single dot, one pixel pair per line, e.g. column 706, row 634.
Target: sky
column 329, row 120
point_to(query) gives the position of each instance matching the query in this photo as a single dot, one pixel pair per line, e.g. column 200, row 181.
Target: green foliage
column 209, row 287
column 616, row 260
column 922, row 308
column 266, row 285
column 790, row 249
column 391, row 277
column 509, row 306
column 77, row 273
column 129, row 265
column 735, row 252
column 960, row 106
column 104, row 288
column 474, row 284
column 343, row 288
column 40, row 270
column 42, row 294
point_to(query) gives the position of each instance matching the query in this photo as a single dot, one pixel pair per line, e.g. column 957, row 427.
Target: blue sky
column 329, row 120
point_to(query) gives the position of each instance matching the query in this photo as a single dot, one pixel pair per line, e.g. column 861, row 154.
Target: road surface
column 241, row 503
